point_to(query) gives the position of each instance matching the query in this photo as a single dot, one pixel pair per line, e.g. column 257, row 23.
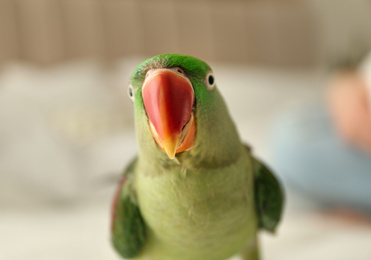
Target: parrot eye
column 210, row 80
column 131, row 93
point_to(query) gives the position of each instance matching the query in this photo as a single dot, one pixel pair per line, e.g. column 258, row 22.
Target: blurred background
column 66, row 123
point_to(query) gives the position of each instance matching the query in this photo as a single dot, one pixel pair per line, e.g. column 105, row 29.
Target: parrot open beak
column 168, row 99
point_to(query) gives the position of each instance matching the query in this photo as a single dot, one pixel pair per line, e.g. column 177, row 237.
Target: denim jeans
column 312, row 159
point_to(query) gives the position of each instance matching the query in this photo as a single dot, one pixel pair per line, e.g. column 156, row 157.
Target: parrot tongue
column 168, row 99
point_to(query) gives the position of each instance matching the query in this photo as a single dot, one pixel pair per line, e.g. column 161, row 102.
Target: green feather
column 206, row 204
column 269, row 197
column 128, row 231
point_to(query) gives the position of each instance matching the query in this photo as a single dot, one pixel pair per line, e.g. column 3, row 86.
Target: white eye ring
column 131, row 93
column 210, row 81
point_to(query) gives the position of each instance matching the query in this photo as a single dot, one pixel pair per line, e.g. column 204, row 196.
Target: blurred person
column 324, row 151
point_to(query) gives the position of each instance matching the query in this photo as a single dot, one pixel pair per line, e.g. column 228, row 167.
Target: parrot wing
column 269, row 196
column 127, row 225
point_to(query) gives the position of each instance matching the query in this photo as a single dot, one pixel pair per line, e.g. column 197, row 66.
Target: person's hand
column 350, row 107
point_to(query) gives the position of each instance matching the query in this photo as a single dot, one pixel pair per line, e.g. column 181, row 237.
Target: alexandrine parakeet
column 194, row 192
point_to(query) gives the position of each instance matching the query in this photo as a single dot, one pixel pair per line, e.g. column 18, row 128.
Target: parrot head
column 178, row 110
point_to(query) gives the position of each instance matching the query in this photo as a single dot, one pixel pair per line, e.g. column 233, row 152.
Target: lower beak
column 168, row 99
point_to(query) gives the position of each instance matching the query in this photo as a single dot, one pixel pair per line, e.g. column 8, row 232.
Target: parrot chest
column 203, row 214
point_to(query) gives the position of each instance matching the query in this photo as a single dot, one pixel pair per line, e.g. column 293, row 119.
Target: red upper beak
column 168, row 99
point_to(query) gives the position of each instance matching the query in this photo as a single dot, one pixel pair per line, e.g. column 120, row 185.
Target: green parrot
column 194, row 192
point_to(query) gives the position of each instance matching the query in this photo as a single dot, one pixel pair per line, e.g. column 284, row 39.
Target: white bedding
column 67, row 132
